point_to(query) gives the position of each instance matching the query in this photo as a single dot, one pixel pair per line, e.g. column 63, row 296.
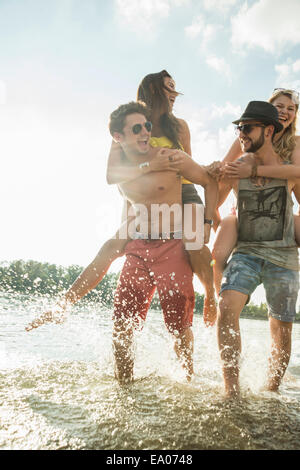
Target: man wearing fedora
column 266, row 251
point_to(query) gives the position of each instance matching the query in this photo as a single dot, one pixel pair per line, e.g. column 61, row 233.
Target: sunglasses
column 294, row 94
column 247, row 128
column 136, row 129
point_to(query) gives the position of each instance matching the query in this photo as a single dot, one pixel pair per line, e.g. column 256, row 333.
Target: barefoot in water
column 209, row 311
column 188, row 366
column 47, row 317
column 189, row 374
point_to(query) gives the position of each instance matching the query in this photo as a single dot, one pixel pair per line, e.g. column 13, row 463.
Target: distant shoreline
column 36, row 278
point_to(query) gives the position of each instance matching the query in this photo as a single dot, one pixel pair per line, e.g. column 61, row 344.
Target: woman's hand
column 162, row 161
column 177, row 159
column 215, row 169
column 238, row 169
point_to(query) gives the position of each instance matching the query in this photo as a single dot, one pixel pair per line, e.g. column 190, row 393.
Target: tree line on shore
column 36, row 278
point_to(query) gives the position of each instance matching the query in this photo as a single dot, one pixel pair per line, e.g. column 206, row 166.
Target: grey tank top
column 266, row 222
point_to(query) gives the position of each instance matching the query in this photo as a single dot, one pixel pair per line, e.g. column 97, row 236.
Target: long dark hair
column 151, row 92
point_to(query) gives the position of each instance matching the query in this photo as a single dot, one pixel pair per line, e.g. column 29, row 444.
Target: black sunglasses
column 247, row 128
column 136, row 129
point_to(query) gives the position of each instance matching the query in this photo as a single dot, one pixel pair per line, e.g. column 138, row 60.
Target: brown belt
column 158, row 236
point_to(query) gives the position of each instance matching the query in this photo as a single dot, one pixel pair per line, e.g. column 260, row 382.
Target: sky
column 65, row 65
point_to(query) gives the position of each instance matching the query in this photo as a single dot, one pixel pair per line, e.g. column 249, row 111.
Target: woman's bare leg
column 201, row 263
column 297, row 228
column 90, row 277
column 93, row 274
column 96, row 270
column 225, row 242
column 112, row 249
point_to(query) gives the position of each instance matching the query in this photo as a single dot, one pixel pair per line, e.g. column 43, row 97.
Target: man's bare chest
column 154, row 186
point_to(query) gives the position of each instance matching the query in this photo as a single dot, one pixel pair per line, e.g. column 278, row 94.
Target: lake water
column 57, row 387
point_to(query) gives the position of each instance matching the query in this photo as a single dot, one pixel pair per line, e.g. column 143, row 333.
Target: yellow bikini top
column 166, row 143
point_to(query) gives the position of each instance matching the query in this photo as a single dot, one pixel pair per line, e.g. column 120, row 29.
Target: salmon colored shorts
column 151, row 264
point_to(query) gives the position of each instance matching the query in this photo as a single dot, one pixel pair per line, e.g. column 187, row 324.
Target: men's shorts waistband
column 157, row 236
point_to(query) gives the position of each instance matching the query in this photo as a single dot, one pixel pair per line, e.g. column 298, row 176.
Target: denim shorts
column 245, row 272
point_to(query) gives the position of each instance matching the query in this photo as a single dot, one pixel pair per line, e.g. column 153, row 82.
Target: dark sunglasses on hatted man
column 136, row 129
column 247, row 128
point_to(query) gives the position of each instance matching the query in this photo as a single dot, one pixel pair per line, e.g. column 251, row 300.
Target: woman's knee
column 297, row 228
column 226, row 239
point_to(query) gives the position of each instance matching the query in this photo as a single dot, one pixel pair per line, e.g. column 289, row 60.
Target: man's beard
column 258, row 144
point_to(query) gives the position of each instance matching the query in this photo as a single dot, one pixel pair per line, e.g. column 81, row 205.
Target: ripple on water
column 57, row 391
column 75, row 406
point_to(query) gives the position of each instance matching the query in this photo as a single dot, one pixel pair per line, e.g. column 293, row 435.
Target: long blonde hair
column 285, row 145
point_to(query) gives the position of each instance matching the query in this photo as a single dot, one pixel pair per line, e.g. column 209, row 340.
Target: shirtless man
column 158, row 261
column 266, row 250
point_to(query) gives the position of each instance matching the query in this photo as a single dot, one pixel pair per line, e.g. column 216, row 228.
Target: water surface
column 57, row 388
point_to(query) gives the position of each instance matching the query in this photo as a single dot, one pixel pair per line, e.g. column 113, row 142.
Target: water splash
column 58, row 389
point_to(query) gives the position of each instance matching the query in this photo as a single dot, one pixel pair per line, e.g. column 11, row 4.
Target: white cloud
column 141, row 16
column 196, row 27
column 199, row 120
column 2, row 92
column 212, row 132
column 269, row 24
column 288, row 75
column 200, row 27
column 226, row 137
column 220, row 65
column 210, row 31
column 219, row 5
column 228, row 109
column 296, row 66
